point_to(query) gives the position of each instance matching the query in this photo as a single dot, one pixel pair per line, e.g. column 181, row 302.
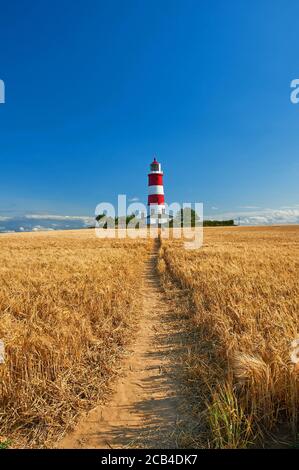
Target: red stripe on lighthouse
column 156, row 199
column 155, row 179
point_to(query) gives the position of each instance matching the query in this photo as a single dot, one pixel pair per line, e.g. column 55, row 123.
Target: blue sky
column 94, row 89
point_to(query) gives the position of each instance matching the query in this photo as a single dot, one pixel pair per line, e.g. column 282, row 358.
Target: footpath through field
column 145, row 409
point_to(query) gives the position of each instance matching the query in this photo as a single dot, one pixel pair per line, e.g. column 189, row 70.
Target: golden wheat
column 243, row 295
column 68, row 303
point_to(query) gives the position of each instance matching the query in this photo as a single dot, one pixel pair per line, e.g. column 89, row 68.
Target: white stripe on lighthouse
column 155, row 189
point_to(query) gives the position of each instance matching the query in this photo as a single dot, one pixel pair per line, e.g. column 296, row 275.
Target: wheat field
column 69, row 303
column 242, row 298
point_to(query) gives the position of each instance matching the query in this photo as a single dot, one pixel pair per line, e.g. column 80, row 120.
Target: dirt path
column 144, row 410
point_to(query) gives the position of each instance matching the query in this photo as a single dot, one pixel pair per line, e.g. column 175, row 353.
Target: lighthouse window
column 155, row 167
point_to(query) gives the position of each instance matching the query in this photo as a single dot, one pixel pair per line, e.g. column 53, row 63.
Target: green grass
column 229, row 424
column 5, row 444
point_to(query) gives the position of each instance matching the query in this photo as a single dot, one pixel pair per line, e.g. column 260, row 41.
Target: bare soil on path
column 145, row 409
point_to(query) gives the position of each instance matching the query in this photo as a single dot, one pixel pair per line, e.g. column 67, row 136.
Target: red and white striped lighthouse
column 156, row 202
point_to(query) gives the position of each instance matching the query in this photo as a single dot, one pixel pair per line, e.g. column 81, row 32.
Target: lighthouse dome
column 155, row 165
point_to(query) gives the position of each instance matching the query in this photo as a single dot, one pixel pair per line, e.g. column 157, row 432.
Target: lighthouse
column 156, row 202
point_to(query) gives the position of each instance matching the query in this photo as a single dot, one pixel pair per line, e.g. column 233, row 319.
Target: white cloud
column 38, row 222
column 57, row 217
column 39, row 228
column 86, row 220
column 261, row 216
column 134, row 199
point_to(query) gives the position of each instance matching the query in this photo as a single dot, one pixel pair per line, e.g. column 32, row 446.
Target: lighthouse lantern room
column 156, row 203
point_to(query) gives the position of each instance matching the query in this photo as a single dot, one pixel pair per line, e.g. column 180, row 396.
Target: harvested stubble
column 243, row 299
column 69, row 303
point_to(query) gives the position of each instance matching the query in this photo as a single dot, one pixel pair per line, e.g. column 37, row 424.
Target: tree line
column 184, row 217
